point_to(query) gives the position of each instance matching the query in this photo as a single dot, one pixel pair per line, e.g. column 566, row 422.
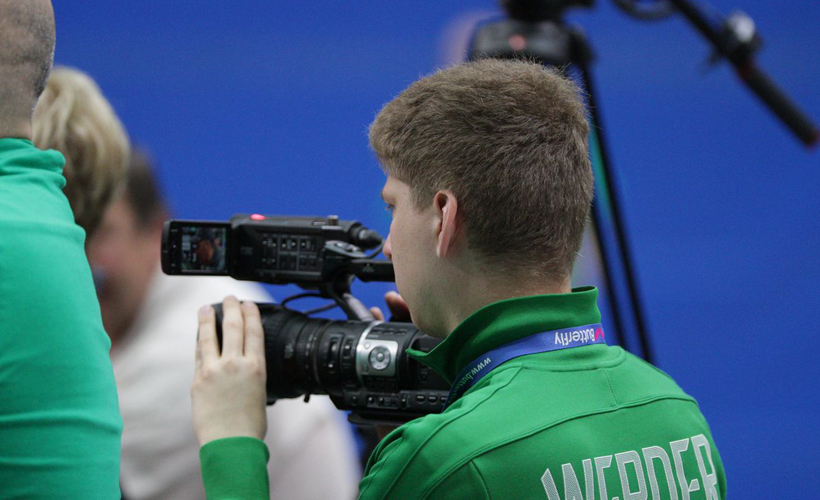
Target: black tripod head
column 532, row 30
column 535, row 11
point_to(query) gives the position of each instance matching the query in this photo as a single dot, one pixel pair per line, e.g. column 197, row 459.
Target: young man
column 490, row 184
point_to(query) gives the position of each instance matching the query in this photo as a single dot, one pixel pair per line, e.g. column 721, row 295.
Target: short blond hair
column 73, row 117
column 509, row 138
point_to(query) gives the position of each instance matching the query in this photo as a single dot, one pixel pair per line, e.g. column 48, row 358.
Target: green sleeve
column 400, row 468
column 235, row 468
column 382, row 468
column 466, row 482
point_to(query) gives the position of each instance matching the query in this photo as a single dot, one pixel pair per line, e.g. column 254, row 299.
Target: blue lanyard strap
column 552, row 340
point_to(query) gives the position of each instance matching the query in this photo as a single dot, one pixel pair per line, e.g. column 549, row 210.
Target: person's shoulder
column 31, row 184
column 508, row 408
column 16, row 153
column 418, row 456
column 396, row 458
column 636, row 374
column 520, row 400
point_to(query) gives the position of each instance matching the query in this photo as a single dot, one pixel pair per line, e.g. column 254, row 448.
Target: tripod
column 537, row 32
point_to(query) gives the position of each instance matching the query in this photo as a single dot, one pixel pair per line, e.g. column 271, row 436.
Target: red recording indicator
column 517, row 42
column 257, row 217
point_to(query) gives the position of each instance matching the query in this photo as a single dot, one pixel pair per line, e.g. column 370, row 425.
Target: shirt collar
column 508, row 320
column 22, row 153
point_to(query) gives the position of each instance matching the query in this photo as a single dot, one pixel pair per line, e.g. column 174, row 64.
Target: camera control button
column 379, row 358
column 347, row 349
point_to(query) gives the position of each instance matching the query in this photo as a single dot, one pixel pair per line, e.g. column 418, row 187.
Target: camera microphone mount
column 736, row 39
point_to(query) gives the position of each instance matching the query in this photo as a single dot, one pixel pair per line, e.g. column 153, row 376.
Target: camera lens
column 362, row 366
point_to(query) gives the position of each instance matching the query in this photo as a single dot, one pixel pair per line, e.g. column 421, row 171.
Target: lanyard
column 552, row 340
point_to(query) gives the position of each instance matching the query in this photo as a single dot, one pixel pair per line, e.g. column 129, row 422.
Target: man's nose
column 388, row 249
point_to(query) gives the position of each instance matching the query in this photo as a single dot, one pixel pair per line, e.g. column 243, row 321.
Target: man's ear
column 449, row 224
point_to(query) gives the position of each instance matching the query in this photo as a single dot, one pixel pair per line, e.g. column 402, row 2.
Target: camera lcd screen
column 203, row 248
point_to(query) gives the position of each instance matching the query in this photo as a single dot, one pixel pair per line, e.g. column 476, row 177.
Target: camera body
column 307, row 251
column 361, row 364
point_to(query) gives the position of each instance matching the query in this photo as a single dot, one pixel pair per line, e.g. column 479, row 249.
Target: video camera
column 361, row 364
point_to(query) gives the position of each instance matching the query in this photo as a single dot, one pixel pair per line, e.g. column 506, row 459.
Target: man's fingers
column 254, row 334
column 377, row 313
column 398, row 307
column 207, row 348
column 233, row 328
column 198, row 358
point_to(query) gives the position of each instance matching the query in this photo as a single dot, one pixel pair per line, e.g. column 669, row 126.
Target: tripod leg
column 605, row 182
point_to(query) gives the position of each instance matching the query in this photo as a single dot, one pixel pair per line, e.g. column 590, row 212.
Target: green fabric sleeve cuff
column 235, row 468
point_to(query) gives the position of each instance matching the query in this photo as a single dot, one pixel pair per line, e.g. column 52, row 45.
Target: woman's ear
column 449, row 228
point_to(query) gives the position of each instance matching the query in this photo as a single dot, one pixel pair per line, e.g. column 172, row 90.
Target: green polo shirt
column 580, row 423
column 60, row 423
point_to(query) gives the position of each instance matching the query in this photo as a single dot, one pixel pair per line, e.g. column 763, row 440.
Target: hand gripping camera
column 361, row 363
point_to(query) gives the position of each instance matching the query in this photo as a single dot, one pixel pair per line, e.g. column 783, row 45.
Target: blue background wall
column 263, row 106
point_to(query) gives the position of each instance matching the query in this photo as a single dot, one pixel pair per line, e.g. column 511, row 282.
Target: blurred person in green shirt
column 59, row 421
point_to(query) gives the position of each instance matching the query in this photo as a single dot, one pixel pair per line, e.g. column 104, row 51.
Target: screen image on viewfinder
column 203, row 248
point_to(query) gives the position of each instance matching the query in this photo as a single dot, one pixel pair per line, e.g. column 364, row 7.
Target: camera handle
column 344, row 262
column 338, row 289
column 354, row 308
